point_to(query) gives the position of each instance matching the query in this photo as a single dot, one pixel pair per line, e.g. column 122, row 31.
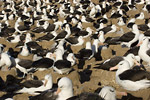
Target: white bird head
column 132, row 20
column 132, row 60
column 101, row 37
column 65, row 89
column 135, row 29
column 59, row 54
column 88, row 45
column 48, row 81
column 121, row 67
column 108, row 93
column 88, row 29
column 71, row 58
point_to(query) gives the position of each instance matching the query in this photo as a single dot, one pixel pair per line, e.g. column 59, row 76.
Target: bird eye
column 61, row 87
column 144, row 38
column 111, row 90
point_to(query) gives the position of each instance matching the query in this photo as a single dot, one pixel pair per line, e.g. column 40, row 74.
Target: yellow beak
column 58, row 91
column 135, row 61
column 121, row 93
column 113, row 68
column 45, row 82
column 139, row 43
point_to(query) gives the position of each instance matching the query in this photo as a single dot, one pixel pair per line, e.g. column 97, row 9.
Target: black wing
column 127, row 37
column 143, row 27
column 111, row 63
column 50, row 28
column 61, row 35
column 72, row 40
column 47, row 37
column 133, row 50
column 134, row 75
column 25, row 63
column 33, row 44
column 22, row 28
column 38, row 30
column 106, row 29
column 85, row 54
column 46, row 95
column 82, row 33
column 86, row 96
column 112, row 40
column 43, row 63
column 60, row 64
column 32, row 83
column 148, row 52
column 147, row 33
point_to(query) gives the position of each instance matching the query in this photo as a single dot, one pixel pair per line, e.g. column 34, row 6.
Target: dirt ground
column 97, row 76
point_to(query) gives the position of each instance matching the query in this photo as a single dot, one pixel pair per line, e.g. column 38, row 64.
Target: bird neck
column 122, row 69
column 49, row 84
column 130, row 60
column 130, row 2
column 101, row 38
column 88, row 46
column 71, row 59
column 148, row 25
column 95, row 45
column 65, row 94
column 59, row 55
column 145, row 45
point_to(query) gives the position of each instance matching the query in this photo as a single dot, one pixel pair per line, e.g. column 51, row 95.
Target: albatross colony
column 74, row 39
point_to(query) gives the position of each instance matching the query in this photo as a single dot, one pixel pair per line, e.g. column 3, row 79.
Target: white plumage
column 129, row 84
column 47, row 84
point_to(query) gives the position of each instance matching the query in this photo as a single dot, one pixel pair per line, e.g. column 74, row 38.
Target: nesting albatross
column 131, row 79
